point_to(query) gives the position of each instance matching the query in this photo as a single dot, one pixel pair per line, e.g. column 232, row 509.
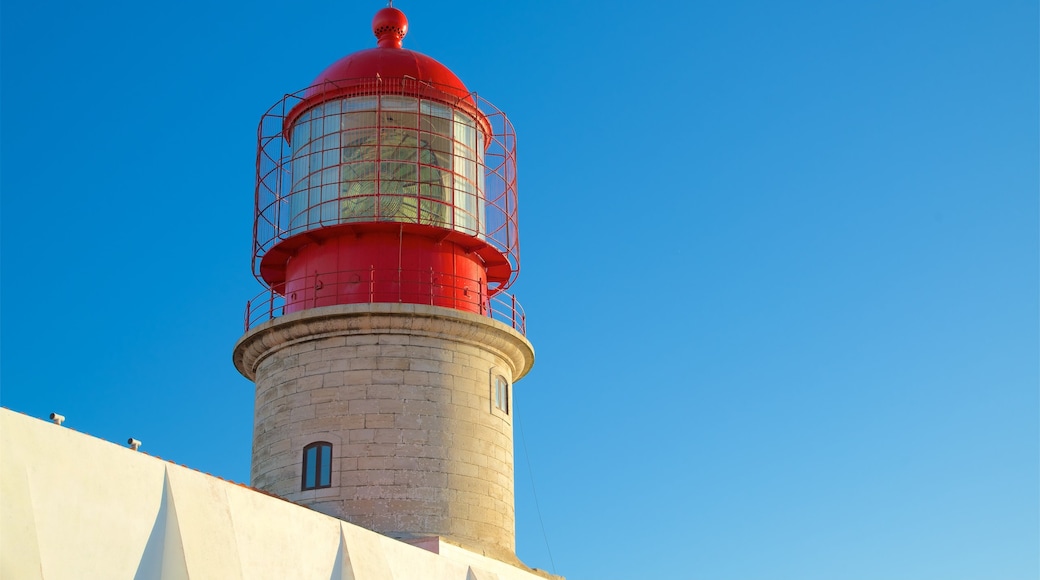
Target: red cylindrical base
column 385, row 266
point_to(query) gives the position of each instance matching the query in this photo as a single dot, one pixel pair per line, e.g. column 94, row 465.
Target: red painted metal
column 390, row 26
column 392, row 65
column 269, row 304
column 390, row 61
column 284, row 260
column 441, row 273
column 456, row 242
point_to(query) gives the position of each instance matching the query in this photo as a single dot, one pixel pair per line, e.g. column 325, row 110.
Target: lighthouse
column 385, row 346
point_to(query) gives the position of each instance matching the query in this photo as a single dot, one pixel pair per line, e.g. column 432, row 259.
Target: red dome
column 389, row 62
column 393, row 63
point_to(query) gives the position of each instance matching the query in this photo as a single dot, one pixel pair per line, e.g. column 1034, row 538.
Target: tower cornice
column 414, row 320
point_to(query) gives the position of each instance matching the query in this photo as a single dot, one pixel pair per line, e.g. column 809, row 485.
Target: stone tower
column 385, row 348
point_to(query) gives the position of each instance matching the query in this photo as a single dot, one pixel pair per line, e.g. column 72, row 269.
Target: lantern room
column 387, row 180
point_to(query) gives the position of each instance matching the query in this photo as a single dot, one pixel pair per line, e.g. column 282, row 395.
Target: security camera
column 58, row 419
column 133, row 443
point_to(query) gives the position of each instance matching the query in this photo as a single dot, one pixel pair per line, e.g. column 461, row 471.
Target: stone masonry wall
column 404, row 395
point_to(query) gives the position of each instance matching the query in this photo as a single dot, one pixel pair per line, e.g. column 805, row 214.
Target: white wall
column 76, row 507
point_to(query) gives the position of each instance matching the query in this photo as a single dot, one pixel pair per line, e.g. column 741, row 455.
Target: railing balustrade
column 372, row 286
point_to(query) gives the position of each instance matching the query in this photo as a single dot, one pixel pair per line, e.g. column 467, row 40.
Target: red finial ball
column 390, row 25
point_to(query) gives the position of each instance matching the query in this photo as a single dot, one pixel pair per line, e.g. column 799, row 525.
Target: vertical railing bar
column 270, row 304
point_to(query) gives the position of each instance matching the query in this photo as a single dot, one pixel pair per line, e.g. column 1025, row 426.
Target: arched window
column 500, row 394
column 317, row 465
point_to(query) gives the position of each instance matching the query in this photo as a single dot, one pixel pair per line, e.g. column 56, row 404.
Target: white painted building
column 73, row 507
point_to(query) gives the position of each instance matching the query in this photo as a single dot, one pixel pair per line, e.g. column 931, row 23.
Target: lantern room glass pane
column 388, row 158
column 434, row 109
column 360, row 104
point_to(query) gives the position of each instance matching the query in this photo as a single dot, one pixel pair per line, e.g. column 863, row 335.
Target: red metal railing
column 370, row 287
column 274, row 218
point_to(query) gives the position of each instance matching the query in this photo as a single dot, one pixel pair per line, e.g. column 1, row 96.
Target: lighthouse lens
column 387, row 158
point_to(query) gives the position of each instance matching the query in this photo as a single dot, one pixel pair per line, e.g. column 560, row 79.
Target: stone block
column 388, row 436
column 373, row 477
column 384, row 391
column 430, row 366
column 361, row 436
column 307, row 358
column 375, row 462
column 391, row 406
column 363, row 406
column 299, row 414
column 333, row 379
column 379, row 421
column 356, row 378
column 368, row 351
column 393, row 377
column 421, row 407
column 393, row 363
column 396, row 350
column 317, row 368
column 404, row 421
column 324, row 395
column 331, row 353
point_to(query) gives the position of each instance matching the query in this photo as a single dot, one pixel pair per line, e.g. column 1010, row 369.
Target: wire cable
column 534, row 492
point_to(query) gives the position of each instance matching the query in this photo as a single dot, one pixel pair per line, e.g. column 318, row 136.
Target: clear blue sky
column 780, row 261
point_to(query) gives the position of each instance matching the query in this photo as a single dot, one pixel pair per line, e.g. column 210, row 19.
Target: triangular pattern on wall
column 342, row 569
column 363, row 555
column 163, row 556
column 203, row 517
column 473, row 574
